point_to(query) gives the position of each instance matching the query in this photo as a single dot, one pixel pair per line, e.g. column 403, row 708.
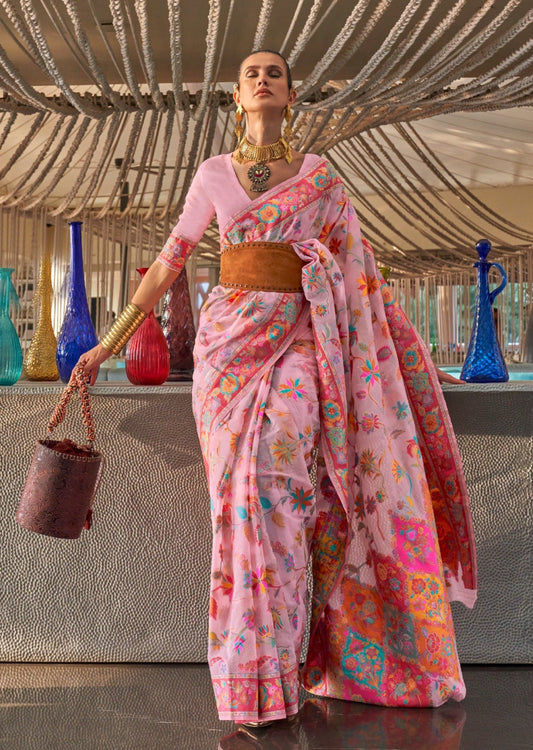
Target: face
column 263, row 83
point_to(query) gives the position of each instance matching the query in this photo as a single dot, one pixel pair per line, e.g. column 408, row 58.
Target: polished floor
column 170, row 706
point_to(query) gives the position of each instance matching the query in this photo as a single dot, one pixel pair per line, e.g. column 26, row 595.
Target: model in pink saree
column 338, row 376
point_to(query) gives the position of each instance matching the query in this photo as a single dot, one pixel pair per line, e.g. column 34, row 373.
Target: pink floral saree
column 334, row 378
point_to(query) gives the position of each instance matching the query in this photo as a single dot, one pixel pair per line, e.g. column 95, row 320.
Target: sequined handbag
column 58, row 494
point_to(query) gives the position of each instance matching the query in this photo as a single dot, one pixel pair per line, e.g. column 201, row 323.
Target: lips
column 263, row 92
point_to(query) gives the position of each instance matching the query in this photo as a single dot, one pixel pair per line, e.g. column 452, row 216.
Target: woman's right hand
column 156, row 280
column 90, row 361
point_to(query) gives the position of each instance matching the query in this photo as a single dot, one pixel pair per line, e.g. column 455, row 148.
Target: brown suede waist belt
column 262, row 267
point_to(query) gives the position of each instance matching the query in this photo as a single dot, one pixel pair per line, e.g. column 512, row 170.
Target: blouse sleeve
column 196, row 216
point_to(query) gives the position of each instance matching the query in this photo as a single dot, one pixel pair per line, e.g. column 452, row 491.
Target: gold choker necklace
column 247, row 151
column 259, row 173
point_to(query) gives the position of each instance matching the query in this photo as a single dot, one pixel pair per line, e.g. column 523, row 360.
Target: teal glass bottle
column 10, row 349
column 484, row 361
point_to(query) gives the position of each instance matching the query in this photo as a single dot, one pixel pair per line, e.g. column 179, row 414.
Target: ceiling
column 87, row 82
column 240, row 19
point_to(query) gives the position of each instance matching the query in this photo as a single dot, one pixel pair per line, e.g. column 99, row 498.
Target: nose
column 262, row 81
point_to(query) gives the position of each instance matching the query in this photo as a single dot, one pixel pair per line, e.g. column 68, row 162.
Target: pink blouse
column 215, row 189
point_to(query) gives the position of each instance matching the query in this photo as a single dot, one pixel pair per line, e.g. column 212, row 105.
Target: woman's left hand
column 445, row 377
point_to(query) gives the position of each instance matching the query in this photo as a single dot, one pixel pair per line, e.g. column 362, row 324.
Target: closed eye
column 273, row 72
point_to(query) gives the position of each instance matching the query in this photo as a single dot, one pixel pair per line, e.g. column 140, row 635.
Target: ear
column 236, row 95
column 292, row 96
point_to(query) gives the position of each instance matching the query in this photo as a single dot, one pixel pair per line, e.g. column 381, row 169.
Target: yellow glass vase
column 40, row 362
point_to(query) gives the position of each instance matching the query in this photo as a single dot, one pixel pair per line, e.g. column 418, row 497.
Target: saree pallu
column 336, row 370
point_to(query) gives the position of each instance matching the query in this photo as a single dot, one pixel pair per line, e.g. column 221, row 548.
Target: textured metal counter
column 135, row 587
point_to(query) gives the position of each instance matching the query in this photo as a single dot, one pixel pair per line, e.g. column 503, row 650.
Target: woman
column 302, row 351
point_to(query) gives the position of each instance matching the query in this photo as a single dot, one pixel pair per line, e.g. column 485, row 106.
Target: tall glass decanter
column 77, row 334
column 40, row 362
column 484, row 361
column 10, row 349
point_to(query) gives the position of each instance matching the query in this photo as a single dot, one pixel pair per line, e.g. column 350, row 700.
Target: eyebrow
column 255, row 67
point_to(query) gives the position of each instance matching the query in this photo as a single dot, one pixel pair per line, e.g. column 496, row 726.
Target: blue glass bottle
column 77, row 334
column 10, row 349
column 484, row 361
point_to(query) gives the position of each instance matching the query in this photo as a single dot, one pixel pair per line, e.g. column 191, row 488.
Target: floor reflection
column 339, row 724
column 171, row 707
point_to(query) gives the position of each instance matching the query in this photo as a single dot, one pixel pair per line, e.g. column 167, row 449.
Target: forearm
column 154, row 284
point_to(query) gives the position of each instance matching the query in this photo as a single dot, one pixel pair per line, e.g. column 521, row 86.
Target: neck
column 262, row 132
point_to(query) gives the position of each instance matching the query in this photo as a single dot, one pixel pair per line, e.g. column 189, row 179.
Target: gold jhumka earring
column 287, row 132
column 239, row 130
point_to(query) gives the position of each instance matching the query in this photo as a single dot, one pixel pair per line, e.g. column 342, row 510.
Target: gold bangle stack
column 123, row 328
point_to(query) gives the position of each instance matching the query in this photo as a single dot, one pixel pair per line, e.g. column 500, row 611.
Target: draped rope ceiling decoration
column 108, row 106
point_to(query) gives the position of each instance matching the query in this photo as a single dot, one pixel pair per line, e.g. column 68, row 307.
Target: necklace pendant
column 259, row 174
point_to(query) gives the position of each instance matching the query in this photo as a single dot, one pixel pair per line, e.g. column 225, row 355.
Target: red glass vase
column 147, row 354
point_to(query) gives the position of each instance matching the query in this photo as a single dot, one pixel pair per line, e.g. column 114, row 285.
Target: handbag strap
column 78, row 381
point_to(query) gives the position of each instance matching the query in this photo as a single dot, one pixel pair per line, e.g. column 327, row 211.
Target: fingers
column 91, row 360
column 90, row 370
column 446, row 377
column 92, row 373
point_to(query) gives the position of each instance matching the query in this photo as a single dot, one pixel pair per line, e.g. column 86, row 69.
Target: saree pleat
column 259, row 454
column 336, row 370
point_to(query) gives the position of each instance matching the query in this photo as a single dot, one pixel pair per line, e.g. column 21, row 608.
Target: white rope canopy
column 99, row 121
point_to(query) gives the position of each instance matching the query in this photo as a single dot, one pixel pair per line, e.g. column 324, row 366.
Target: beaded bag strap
column 78, row 381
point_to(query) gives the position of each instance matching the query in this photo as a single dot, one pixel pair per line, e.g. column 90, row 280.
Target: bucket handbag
column 63, row 477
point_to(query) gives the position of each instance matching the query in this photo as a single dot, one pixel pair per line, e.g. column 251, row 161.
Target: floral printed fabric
column 175, row 253
column 338, row 368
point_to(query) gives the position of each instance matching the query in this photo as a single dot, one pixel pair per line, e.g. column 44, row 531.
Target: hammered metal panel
column 494, row 432
column 135, row 587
